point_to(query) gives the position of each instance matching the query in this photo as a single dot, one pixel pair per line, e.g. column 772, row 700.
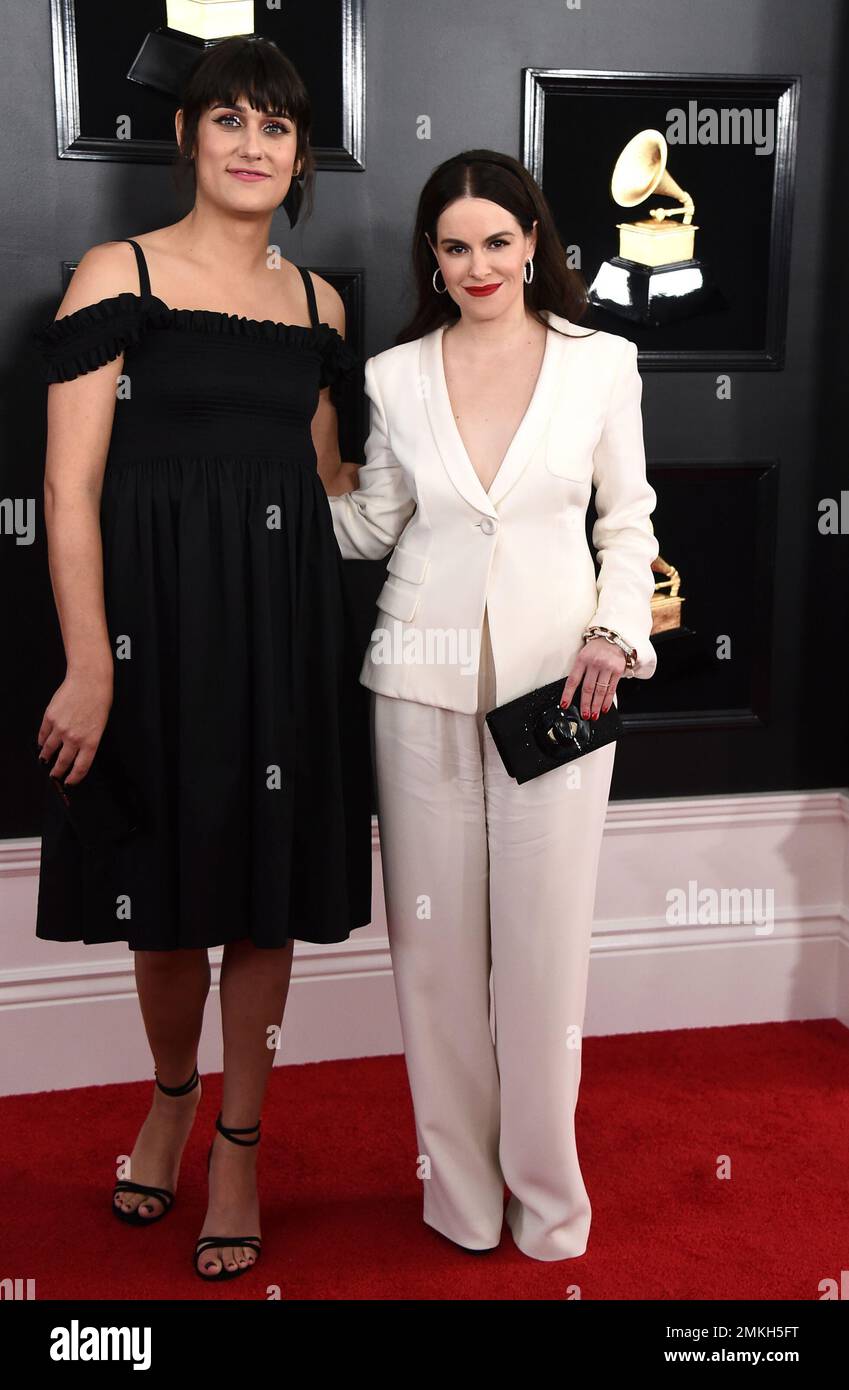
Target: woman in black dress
column 200, row 593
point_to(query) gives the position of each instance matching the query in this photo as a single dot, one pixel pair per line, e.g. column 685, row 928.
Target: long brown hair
column 503, row 180
column 255, row 67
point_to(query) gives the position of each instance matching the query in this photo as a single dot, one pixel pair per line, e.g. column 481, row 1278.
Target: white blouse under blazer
column 519, row 550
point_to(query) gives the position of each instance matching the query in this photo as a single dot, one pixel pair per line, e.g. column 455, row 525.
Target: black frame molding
column 758, row 714
column 680, row 87
column 73, row 143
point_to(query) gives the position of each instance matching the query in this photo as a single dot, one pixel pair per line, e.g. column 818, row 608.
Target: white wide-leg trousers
column 488, row 880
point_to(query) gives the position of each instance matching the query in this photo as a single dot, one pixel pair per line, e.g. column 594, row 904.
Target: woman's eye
column 497, row 241
column 223, row 120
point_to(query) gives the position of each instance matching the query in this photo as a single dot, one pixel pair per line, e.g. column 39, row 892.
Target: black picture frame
column 716, row 523
column 575, row 124
column 95, row 43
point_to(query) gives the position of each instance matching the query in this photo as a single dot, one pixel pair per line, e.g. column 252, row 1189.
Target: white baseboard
column 69, row 1014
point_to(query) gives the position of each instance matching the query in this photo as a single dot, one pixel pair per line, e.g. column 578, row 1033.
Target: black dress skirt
column 236, row 712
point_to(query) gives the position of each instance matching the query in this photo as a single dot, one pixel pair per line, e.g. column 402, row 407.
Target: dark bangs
column 253, row 67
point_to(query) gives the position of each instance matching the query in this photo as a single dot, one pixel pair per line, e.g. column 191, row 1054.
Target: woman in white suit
column 490, row 421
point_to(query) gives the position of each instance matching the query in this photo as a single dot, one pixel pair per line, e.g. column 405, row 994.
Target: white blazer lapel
column 444, row 427
column 449, row 443
column 533, row 427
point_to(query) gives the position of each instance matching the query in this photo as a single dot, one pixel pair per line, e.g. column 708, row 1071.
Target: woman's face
column 480, row 244
column 244, row 159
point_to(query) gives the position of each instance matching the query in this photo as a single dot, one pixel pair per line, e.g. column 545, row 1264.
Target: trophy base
column 653, row 295
column 665, row 614
column 165, row 58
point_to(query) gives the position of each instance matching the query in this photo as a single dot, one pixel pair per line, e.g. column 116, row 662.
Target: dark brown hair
column 253, row 67
column 503, row 180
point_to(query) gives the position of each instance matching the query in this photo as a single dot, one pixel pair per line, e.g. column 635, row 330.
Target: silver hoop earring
column 435, row 286
column 525, row 276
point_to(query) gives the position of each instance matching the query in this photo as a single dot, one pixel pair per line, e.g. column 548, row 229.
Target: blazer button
column 489, row 525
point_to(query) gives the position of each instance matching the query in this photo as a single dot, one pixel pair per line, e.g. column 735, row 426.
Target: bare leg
column 254, row 988
column 172, row 987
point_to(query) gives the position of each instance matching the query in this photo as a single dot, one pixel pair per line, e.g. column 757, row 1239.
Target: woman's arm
column 79, row 425
column 369, row 520
column 622, row 535
column 335, row 475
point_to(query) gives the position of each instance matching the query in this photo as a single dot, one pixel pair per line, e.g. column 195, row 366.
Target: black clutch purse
column 533, row 734
column 103, row 808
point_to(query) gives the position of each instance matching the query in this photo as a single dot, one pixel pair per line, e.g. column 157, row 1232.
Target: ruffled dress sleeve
column 340, row 366
column 90, row 337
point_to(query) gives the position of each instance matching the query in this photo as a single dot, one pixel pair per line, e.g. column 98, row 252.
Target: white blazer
column 518, row 550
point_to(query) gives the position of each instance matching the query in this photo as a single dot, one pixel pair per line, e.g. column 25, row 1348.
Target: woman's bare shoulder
column 329, row 302
column 105, row 271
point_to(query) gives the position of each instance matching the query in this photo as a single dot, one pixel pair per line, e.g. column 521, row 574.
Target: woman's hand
column 346, row 480
column 600, row 663
column 74, row 721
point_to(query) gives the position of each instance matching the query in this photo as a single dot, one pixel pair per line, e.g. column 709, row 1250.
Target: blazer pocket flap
column 569, row 456
column 398, row 602
column 407, row 565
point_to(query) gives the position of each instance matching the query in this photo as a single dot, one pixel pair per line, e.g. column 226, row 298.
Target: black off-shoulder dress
column 235, row 712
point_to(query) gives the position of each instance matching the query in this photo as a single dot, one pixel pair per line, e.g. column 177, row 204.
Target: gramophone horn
column 641, row 170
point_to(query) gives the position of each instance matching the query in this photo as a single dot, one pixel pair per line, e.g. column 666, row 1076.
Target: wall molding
column 62, row 1000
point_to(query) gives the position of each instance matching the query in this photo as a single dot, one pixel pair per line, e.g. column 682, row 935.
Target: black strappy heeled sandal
column 207, row 1242
column 163, row 1194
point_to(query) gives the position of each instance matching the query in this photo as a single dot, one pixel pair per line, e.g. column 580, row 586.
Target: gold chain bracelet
column 610, row 636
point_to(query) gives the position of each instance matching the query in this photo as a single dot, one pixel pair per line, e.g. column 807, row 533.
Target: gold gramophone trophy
column 191, row 26
column 666, row 601
column 656, row 278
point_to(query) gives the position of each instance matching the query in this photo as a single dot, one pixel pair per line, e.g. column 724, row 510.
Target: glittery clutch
column 533, row 734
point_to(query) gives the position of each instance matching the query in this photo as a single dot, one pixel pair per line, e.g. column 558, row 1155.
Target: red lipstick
column 480, row 290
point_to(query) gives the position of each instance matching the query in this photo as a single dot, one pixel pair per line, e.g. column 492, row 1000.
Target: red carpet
column 342, row 1206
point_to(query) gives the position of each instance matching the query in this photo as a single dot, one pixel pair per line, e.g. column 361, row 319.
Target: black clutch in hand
column 533, row 734
column 102, row 809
